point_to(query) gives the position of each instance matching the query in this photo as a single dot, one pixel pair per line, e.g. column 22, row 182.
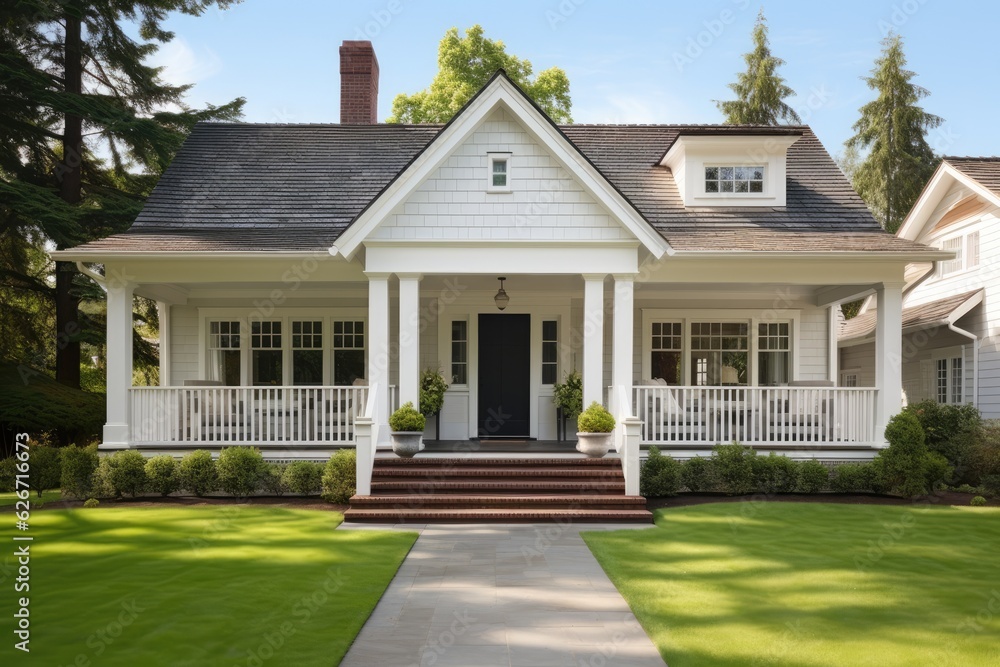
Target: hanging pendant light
column 501, row 299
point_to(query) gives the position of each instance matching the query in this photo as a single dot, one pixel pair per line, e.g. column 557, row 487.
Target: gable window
column 499, row 175
column 307, row 353
column 773, row 353
column 224, row 352
column 348, row 352
column 734, row 179
column 459, row 352
column 266, row 354
column 665, row 356
column 550, row 352
column 849, row 380
column 966, row 249
column 719, row 353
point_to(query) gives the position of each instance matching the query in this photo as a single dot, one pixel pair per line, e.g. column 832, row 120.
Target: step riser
column 512, row 516
column 416, row 489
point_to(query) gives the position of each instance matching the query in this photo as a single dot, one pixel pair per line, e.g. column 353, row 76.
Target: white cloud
column 183, row 65
column 624, row 107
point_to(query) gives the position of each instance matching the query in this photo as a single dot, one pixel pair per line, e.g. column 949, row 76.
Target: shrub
column 734, row 467
column 659, row 476
column 698, row 474
column 340, row 476
column 432, row 389
column 568, row 395
column 8, row 472
column 949, row 430
column 161, row 471
column 304, row 477
column 977, row 501
column 907, row 463
column 273, row 481
column 984, row 456
column 198, row 473
column 101, row 481
column 813, row 477
column 774, row 473
column 991, row 484
column 240, row 470
column 966, row 488
column 78, row 467
column 91, row 502
column 595, row 419
column 406, row 418
column 126, row 473
column 852, row 478
column 44, row 470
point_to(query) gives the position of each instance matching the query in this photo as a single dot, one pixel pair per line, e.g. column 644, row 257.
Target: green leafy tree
column 893, row 129
column 760, row 91
column 87, row 127
column 465, row 64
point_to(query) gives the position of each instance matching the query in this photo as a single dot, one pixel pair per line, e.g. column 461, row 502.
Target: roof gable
column 500, row 94
column 922, row 218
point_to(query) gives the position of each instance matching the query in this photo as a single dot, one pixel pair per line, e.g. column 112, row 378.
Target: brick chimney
column 358, row 83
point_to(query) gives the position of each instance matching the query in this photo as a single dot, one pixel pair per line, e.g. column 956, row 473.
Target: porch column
column 119, row 364
column 593, row 338
column 378, row 347
column 622, row 355
column 163, row 315
column 409, row 339
column 888, row 354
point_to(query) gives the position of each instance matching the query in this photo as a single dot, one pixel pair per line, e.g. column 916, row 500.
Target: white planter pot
column 407, row 443
column 594, row 445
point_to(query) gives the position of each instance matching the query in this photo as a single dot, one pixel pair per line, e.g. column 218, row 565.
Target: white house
column 950, row 350
column 306, row 274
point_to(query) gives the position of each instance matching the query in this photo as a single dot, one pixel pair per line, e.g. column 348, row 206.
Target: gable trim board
column 499, row 93
column 916, row 220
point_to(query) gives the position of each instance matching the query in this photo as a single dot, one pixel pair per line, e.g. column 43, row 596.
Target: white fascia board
column 104, row 256
column 500, row 94
column 503, row 259
column 941, row 181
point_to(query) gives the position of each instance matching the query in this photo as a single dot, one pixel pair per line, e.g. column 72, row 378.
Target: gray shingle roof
column 986, row 170
column 915, row 317
column 253, row 187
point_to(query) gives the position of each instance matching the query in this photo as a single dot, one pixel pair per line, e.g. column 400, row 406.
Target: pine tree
column 760, row 91
column 74, row 85
column 893, row 129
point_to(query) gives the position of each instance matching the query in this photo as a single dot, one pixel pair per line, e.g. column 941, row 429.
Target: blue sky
column 628, row 62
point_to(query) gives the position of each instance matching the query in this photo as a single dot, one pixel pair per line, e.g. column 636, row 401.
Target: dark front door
column 504, row 369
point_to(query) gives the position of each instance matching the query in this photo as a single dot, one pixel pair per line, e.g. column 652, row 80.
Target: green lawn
column 8, row 498
column 741, row 584
column 221, row 585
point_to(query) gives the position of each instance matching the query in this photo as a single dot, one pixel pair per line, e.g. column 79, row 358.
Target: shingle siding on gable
column 545, row 202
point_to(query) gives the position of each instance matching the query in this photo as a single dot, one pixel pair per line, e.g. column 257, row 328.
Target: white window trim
column 686, row 317
column 766, row 194
column 493, row 157
column 948, row 354
column 963, row 233
column 286, row 315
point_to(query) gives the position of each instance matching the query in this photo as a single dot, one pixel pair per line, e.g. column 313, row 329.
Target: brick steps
column 493, row 489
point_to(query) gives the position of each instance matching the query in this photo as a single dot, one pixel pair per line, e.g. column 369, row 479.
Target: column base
column 115, row 436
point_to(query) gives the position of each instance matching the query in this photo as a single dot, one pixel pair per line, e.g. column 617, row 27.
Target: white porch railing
column 246, row 415
column 627, row 435
column 367, row 443
column 755, row 415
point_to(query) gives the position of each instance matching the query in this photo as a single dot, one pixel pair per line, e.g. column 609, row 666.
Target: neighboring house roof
column 923, row 316
column 980, row 174
column 986, row 170
column 236, row 187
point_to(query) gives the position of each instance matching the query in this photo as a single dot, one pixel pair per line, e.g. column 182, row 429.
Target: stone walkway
column 484, row 595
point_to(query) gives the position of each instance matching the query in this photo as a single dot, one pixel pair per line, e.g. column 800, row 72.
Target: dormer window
column 745, row 179
column 499, row 173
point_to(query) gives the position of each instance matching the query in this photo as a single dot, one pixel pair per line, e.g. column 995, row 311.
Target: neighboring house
column 306, row 274
column 950, row 352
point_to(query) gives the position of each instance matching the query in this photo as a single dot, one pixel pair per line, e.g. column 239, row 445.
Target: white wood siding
column 544, row 203
column 183, row 344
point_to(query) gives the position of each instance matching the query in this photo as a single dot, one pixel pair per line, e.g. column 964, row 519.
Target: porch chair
column 664, row 414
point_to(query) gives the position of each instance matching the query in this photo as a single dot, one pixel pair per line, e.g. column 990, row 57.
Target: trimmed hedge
column 273, row 481
column 775, row 474
column 813, row 477
column 734, row 467
column 126, row 473
column 340, row 476
column 698, row 474
column 161, row 472
column 198, row 474
column 78, row 467
column 659, row 475
column 241, row 470
column 304, row 477
column 44, row 470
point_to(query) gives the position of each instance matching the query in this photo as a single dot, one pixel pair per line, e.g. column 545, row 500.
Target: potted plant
column 407, row 430
column 568, row 397
column 432, row 389
column 594, row 427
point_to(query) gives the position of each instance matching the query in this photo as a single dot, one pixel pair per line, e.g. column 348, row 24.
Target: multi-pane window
column 266, row 353
column 307, row 352
column 719, row 352
column 550, row 352
column 744, row 179
column 966, row 249
column 948, row 380
column 956, row 380
column 348, row 352
column 499, row 172
column 459, row 352
column 773, row 353
column 849, row 380
column 665, row 358
column 224, row 352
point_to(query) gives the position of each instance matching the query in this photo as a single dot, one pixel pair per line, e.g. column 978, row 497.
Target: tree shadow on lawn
column 201, row 586
column 812, row 584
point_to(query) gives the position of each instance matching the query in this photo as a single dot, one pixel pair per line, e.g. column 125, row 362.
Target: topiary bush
column 304, row 477
column 432, row 389
column 198, row 472
column 734, row 468
column 907, row 462
column 340, row 477
column 595, row 419
column 813, row 477
column 977, row 501
column 240, row 470
column 407, row 419
column 162, row 475
column 126, row 473
column 775, row 473
column 568, row 395
column 659, row 475
column 78, row 467
column 91, row 502
column 698, row 474
column 273, row 481
column 44, row 471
